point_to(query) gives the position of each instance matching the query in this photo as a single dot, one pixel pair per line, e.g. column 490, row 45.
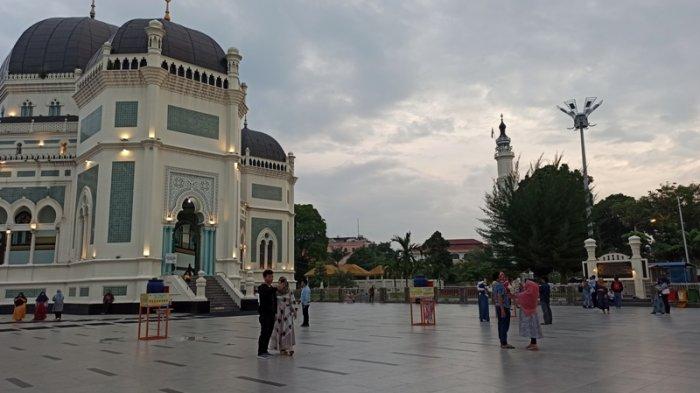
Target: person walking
column 529, row 320
column 267, row 308
column 58, row 304
column 20, row 307
column 483, row 299
column 665, row 285
column 501, row 298
column 305, row 299
column 371, row 294
column 602, row 295
column 657, row 302
column 41, row 306
column 617, row 288
column 585, row 294
column 592, row 287
column 283, row 338
column 107, row 301
column 545, row 295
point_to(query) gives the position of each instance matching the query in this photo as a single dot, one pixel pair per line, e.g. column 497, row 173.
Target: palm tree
column 405, row 258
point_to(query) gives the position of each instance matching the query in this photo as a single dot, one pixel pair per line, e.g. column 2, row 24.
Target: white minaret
column 504, row 153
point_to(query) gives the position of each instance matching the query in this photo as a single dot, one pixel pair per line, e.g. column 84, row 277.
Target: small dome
column 261, row 145
column 57, row 45
column 180, row 42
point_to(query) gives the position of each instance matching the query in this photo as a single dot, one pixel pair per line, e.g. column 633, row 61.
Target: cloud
column 389, row 105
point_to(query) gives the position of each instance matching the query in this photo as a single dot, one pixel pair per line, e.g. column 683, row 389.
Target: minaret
column 504, row 154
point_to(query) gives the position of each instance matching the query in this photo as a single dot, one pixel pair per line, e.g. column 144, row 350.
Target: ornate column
column 636, row 260
column 8, row 241
column 32, row 244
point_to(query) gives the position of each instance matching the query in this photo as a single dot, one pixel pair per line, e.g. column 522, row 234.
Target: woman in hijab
column 41, row 307
column 528, row 300
column 482, row 288
column 58, row 304
column 20, row 307
column 283, row 338
column 602, row 293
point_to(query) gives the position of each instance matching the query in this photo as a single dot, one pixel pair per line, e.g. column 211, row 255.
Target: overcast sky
column 388, row 105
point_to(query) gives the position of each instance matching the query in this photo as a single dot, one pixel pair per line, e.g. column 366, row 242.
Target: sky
column 388, row 105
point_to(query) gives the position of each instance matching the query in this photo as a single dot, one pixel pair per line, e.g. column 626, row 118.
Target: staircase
column 219, row 301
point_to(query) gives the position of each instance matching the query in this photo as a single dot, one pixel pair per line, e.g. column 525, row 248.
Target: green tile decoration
column 126, row 114
column 34, row 194
column 116, row 290
column 5, row 174
column 3, row 217
column 26, row 173
column 88, row 178
column 262, row 191
column 121, row 201
column 91, row 124
column 28, row 292
column 193, row 122
column 50, row 173
column 258, row 224
column 7, row 142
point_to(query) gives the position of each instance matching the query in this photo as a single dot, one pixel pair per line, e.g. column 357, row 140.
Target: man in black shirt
column 267, row 308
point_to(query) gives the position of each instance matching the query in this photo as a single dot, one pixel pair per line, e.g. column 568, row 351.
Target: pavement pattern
column 358, row 348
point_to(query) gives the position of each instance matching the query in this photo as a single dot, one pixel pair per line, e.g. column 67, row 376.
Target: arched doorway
column 187, row 237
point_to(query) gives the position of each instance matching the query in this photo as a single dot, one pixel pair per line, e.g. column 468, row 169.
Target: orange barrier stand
column 154, row 308
column 426, row 298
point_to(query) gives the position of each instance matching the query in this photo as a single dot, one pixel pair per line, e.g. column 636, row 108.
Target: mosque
column 125, row 155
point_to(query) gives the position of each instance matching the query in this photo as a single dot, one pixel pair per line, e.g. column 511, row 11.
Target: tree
column 539, row 222
column 373, row 255
column 612, row 219
column 310, row 240
column 477, row 265
column 406, row 260
column 437, row 256
column 337, row 254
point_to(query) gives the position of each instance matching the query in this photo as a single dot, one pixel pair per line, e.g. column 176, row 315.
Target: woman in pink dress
column 283, row 339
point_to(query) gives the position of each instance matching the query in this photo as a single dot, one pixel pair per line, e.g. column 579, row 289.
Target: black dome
column 180, row 43
column 57, row 45
column 261, row 145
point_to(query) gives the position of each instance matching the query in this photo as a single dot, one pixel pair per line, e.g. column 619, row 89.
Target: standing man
column 267, row 310
column 371, row 294
column 617, row 288
column 107, row 301
column 501, row 299
column 545, row 292
column 305, row 301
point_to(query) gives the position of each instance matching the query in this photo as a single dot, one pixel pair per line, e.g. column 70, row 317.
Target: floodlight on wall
column 8, row 231
column 41, row 143
column 146, row 252
column 32, row 226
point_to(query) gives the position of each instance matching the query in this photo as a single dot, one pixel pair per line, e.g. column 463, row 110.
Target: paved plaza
column 358, row 348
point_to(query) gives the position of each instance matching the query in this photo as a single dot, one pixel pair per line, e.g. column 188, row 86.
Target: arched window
column 218, row 82
column 47, row 215
column 270, row 244
column 211, row 80
column 164, row 65
column 109, row 65
column 27, row 109
column 173, row 69
column 262, row 254
column 204, row 77
column 55, row 108
column 143, row 62
column 117, row 64
column 196, row 76
column 188, row 74
column 226, row 84
column 134, row 64
column 181, row 71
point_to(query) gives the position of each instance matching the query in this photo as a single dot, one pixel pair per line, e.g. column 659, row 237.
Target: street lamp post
column 685, row 244
column 581, row 123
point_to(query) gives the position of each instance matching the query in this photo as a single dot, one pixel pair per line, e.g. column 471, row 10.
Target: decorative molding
column 179, row 182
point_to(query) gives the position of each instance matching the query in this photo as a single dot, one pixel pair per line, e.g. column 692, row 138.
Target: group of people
column 41, row 306
column 660, row 304
column 596, row 294
column 527, row 296
column 277, row 312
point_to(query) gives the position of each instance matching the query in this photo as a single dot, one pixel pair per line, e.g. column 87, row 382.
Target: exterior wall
column 16, row 89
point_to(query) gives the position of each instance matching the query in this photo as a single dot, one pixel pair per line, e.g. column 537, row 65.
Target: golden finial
column 92, row 10
column 167, row 10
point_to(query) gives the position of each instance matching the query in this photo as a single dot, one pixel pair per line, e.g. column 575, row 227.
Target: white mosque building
column 123, row 150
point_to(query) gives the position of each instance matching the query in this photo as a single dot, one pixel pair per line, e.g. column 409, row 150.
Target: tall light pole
column 581, row 124
column 685, row 244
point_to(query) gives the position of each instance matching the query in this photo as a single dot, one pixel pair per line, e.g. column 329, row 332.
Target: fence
column 560, row 294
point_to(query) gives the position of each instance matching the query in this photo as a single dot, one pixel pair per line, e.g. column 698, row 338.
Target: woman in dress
column 602, row 293
column 20, row 307
column 41, row 307
column 530, row 327
column 283, row 339
column 482, row 288
column 58, row 304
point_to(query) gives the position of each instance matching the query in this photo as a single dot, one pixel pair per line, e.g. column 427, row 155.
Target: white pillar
column 32, row 246
column 8, row 241
column 201, row 285
column 55, row 246
column 637, row 268
column 590, row 262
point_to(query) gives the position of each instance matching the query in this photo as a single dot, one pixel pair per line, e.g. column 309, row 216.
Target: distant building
column 349, row 244
column 458, row 249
